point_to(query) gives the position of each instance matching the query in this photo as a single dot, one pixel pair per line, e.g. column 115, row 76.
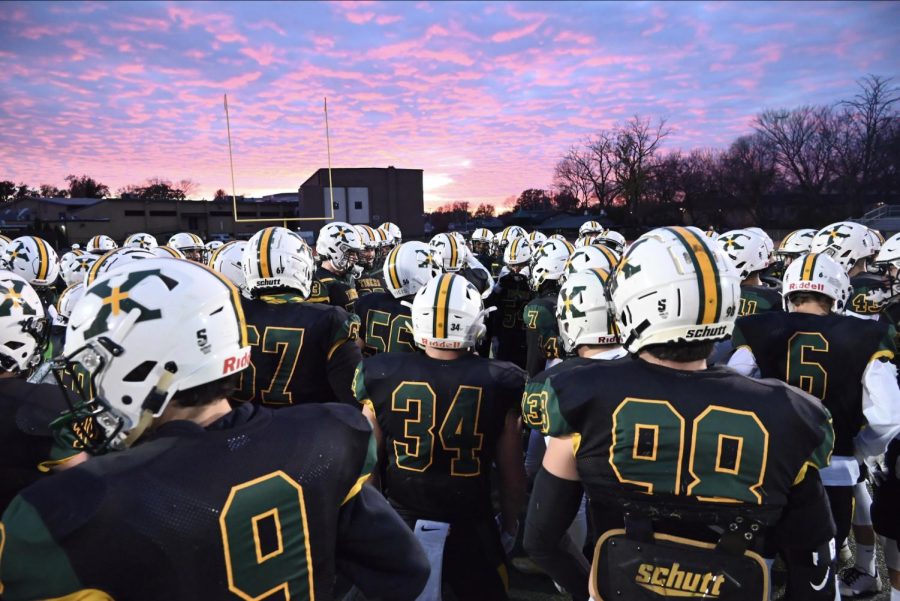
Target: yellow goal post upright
column 283, row 220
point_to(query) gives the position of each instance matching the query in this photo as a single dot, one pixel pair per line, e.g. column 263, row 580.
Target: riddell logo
column 273, row 282
column 673, row 582
column 233, row 364
column 706, row 331
column 806, row 286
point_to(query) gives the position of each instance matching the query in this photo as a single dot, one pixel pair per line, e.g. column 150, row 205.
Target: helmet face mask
column 190, row 245
column 449, row 252
column 549, row 263
column 339, row 243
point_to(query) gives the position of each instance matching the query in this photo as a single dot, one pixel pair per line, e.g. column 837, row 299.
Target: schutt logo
column 672, row 582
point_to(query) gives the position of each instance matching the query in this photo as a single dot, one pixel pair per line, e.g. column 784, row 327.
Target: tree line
column 85, row 186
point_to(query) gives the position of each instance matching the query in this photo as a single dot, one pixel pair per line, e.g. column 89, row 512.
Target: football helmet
column 517, row 253
column 481, row 240
column 846, row 241
column 33, row 259
column 448, row 251
column 448, row 313
column 277, row 258
column 227, row 260
column 796, row 243
column 559, row 237
column 612, row 240
column 74, row 267
column 144, row 332
column 23, row 326
column 582, row 241
column 393, row 232
column 817, row 272
column 101, row 244
column 509, row 233
column 190, row 245
column 589, row 228
column 590, row 257
column 549, row 263
column 116, row 259
column 408, row 267
column 370, row 241
column 211, row 247
column 890, row 252
column 711, row 233
column 66, row 302
column 877, row 241
column 674, row 285
column 141, row 240
column 339, row 243
column 5, row 240
column 584, row 312
column 167, row 252
column 767, row 239
column 746, row 250
column 537, row 238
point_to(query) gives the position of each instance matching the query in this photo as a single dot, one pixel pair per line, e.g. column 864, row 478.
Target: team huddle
column 683, row 416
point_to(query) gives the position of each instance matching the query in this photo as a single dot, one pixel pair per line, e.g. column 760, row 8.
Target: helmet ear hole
column 140, row 373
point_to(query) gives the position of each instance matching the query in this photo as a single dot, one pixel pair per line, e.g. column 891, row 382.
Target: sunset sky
column 484, row 97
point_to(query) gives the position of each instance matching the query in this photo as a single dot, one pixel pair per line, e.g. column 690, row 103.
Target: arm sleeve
column 881, row 408
column 743, row 362
column 377, row 551
column 554, row 503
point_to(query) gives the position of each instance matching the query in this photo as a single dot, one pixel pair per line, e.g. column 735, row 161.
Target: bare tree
column 749, row 171
column 188, row 187
column 573, row 173
column 601, row 154
column 636, row 143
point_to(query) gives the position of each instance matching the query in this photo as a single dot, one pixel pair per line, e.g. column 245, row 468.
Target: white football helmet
column 796, row 243
column 67, row 301
column 559, row 237
column 74, row 267
column 23, row 325
column 674, row 285
column 817, row 272
column 582, row 241
column 141, row 240
column 408, row 267
column 190, row 245
column 767, row 239
column 589, row 228
column 393, row 232
column 33, row 259
column 584, row 312
column 611, row 239
column 877, row 241
column 277, row 258
column 448, row 313
column 846, row 241
column 549, row 263
column 5, row 240
column 101, row 244
column 227, row 260
column 746, row 250
column 890, row 252
column 339, row 243
column 590, row 257
column 481, row 240
column 503, row 239
column 211, row 247
column 517, row 252
column 448, row 251
column 371, row 242
column 711, row 233
column 116, row 259
column 147, row 331
column 537, row 238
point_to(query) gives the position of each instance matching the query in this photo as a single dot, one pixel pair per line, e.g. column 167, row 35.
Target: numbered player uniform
column 759, row 299
column 870, row 292
column 269, row 503
column 384, row 324
column 330, row 289
column 541, row 332
column 300, row 352
column 441, row 421
column 506, row 324
column 844, row 362
column 370, row 281
column 680, row 452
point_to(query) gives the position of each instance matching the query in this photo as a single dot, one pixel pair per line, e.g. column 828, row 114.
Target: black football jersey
column 825, row 355
column 507, row 323
column 385, row 324
column 541, row 332
column 370, row 281
column 330, row 289
column 703, row 442
column 300, row 352
column 866, row 288
column 759, row 299
column 440, row 421
column 249, row 506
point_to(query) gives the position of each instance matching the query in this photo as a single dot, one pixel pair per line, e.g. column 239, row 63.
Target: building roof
column 315, row 178
column 564, row 221
column 71, row 202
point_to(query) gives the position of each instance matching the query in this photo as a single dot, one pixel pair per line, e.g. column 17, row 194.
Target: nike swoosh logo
column 823, row 583
column 436, row 529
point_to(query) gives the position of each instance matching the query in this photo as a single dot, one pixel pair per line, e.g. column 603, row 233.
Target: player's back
column 441, row 421
column 507, row 324
column 292, row 343
column 824, row 355
column 246, row 507
column 331, row 289
column 759, row 299
column 370, row 281
column 541, row 332
column 385, row 324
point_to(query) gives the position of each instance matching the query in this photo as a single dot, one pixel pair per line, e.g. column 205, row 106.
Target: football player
column 393, row 233
column 302, row 352
column 750, row 255
column 886, row 518
column 792, row 246
column 384, row 316
column 369, row 266
column 442, row 418
column 480, row 244
column 100, row 245
column 506, row 325
column 703, row 467
column 843, row 361
column 541, row 331
column 216, row 503
column 338, row 247
column 190, row 245
column 34, row 260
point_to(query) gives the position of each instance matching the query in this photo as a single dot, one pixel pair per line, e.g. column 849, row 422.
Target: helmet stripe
column 601, row 274
column 236, row 305
column 809, row 267
column 610, row 256
column 43, row 262
column 218, row 251
column 453, row 250
column 262, row 252
column 787, row 239
column 392, row 268
column 95, row 269
column 707, row 275
column 442, row 306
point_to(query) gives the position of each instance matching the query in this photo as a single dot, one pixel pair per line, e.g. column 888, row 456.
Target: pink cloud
column 388, row 19
column 575, row 37
column 652, row 30
column 514, row 34
column 266, row 24
column 265, row 55
column 136, row 24
column 359, row 18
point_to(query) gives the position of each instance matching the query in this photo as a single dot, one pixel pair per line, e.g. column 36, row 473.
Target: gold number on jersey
column 802, row 371
column 287, row 344
column 747, row 307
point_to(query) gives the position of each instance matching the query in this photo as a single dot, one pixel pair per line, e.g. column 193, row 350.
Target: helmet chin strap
column 152, row 404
